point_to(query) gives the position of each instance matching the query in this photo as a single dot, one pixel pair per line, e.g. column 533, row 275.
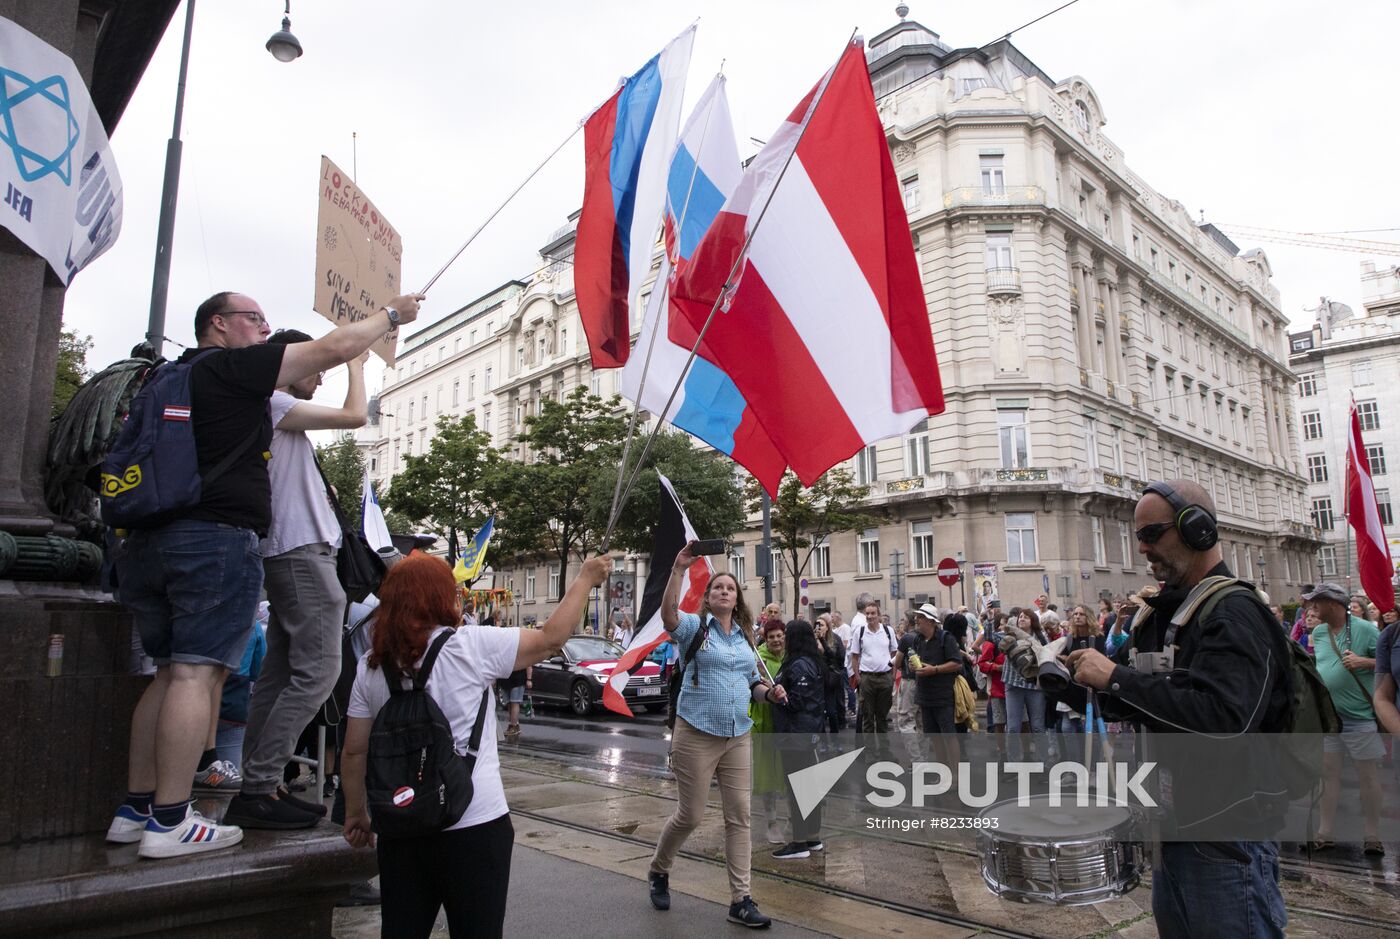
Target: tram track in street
column 1300, row 869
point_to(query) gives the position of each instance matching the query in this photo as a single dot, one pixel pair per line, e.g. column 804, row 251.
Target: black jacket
column 805, row 711
column 1232, row 681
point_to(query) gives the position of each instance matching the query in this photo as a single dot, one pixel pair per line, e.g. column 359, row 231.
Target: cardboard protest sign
column 358, row 256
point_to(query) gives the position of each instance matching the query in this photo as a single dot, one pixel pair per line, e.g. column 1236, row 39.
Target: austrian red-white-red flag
column 1373, row 560
column 673, row 532
column 823, row 327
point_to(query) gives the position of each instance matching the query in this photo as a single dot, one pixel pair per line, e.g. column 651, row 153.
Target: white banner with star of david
column 60, row 192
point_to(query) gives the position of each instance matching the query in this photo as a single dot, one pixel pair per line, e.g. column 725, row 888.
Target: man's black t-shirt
column 941, row 647
column 907, row 644
column 230, row 389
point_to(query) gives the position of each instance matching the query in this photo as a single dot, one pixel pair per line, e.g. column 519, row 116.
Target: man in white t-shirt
column 873, row 649
column 306, row 599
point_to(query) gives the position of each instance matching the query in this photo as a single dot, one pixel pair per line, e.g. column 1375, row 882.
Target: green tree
column 448, row 488
column 344, row 466
column 72, row 368
column 803, row 518
column 705, row 481
column 546, row 503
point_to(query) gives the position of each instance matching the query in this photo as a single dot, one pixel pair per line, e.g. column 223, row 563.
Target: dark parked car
column 576, row 677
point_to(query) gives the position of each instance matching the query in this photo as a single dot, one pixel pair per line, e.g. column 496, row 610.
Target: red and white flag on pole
column 823, row 328
column 1372, row 552
column 673, row 532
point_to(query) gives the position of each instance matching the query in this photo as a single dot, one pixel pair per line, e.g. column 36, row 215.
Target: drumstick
column 1089, row 732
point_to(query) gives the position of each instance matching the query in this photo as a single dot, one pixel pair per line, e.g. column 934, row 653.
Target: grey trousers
column 307, row 606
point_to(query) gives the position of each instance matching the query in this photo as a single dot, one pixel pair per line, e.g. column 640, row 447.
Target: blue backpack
column 152, row 471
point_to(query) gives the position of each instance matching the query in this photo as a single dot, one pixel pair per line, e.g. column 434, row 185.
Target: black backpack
column 673, row 688
column 417, row 784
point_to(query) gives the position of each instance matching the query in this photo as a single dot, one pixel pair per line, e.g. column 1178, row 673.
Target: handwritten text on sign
column 358, row 256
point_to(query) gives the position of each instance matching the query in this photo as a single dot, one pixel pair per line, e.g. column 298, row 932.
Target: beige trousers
column 696, row 758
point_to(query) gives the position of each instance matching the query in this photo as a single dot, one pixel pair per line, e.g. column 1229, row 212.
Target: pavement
column 589, row 796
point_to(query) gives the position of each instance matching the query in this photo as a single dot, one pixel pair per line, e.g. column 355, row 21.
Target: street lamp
column 283, row 45
column 1263, row 571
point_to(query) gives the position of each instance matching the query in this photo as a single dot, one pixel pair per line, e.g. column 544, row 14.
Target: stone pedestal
column 67, row 700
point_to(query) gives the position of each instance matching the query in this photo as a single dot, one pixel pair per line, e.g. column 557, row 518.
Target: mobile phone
column 708, row 546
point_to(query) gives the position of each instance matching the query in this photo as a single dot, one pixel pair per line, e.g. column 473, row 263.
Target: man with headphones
column 1209, row 661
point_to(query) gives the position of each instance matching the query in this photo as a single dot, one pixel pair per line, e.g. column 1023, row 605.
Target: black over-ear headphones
column 1194, row 524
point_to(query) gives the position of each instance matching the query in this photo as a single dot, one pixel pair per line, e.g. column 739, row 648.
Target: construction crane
column 1385, row 249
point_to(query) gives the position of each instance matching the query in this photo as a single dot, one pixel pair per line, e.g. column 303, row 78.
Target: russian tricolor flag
column 704, row 172
column 824, row 328
column 628, row 144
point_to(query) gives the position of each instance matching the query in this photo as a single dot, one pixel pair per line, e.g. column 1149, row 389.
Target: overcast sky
column 1272, row 114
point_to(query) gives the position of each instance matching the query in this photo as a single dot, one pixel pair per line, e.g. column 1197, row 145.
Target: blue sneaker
column 194, row 835
column 746, row 913
column 127, row 825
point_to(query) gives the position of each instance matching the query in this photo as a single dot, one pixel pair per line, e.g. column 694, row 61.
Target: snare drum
column 1066, row 856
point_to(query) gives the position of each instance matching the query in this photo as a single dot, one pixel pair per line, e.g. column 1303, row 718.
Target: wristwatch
column 393, row 316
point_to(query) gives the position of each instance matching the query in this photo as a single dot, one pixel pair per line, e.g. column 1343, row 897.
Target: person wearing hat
column 1345, row 648
column 936, row 669
column 1223, row 674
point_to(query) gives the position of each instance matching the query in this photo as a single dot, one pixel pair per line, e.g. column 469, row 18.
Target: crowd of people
column 1197, row 651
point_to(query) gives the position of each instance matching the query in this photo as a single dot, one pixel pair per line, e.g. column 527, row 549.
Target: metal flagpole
column 724, row 291
column 501, row 207
column 1346, row 488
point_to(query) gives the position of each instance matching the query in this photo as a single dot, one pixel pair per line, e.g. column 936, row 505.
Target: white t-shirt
column 471, row 660
column 870, row 646
column 301, row 508
column 844, row 631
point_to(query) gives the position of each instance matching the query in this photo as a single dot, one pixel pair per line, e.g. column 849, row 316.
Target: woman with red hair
column 466, row 866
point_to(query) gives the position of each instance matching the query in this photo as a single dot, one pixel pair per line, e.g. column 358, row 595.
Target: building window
column 1014, row 439
column 1156, row 263
column 1125, row 543
column 1137, row 251
column 1383, row 507
column 564, row 341
column 1322, row 513
column 865, row 466
column 1312, row 425
column 424, row 414
column 1369, row 413
column 921, row 546
column 1100, row 548
column 442, row 352
column 486, row 379
column 456, row 392
column 555, row 585
column 595, row 384
column 410, row 411
column 993, row 175
column 530, row 584
column 1248, row 565
column 1327, row 560
column 736, row 563
column 1081, row 116
column 999, row 255
column 916, row 450
column 373, row 464
column 868, row 544
column 1375, row 459
column 1317, row 468
column 1361, row 372
column 1307, row 386
column 486, row 418
column 1115, row 442
column 1091, row 442
column 1020, row 539
column 910, row 188
column 821, row 559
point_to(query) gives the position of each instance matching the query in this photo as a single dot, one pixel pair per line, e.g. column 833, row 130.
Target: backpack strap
column 420, row 680
column 226, row 464
column 692, row 650
column 474, row 744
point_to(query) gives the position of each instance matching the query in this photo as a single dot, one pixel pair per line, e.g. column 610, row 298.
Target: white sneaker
column 127, row 826
column 194, row 835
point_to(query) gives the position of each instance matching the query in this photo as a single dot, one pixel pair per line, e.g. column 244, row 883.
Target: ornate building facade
column 1091, row 336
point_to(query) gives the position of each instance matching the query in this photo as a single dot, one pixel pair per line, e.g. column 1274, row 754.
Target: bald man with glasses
column 193, row 582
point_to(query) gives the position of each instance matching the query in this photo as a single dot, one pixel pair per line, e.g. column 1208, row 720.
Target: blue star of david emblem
column 32, row 163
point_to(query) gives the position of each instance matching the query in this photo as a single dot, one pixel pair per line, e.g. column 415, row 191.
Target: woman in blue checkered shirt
column 711, row 738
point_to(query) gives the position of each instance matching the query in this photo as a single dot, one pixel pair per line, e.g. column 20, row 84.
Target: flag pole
column 1346, row 487
column 663, row 272
column 452, row 260
column 724, row 290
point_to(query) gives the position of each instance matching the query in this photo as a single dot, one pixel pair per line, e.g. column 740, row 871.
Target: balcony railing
column 994, row 195
column 1003, row 280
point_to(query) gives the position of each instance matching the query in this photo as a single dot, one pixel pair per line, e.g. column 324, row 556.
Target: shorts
column 515, row 695
column 1359, row 739
column 998, row 710
column 192, row 587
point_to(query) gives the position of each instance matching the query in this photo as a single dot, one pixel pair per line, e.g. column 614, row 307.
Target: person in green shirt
column 767, row 774
column 1345, row 647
